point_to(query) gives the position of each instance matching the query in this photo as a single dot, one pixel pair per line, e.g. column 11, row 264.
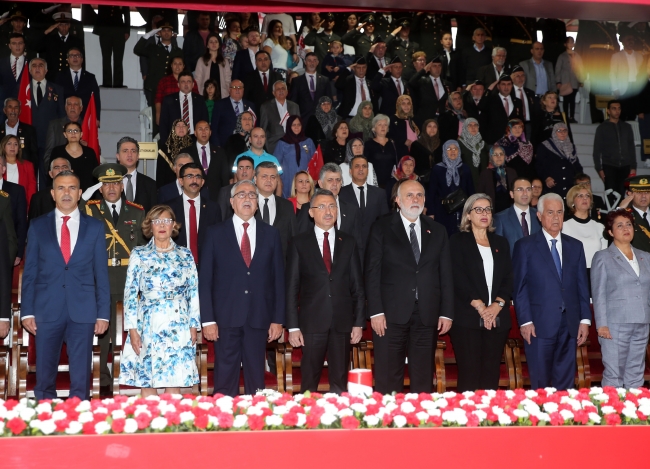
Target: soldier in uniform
column 55, row 44
column 467, row 25
column 321, row 41
column 638, row 196
column 17, row 23
column 516, row 34
column 123, row 221
column 400, row 45
column 361, row 41
column 385, row 23
column 428, row 29
column 113, row 26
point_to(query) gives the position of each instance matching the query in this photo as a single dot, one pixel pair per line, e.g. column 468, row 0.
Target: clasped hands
column 296, row 338
column 488, row 313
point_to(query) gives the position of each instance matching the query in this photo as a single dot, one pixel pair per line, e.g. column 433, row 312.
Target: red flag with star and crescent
column 25, row 97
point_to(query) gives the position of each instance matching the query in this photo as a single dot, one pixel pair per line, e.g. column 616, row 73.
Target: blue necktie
column 76, row 80
column 556, row 257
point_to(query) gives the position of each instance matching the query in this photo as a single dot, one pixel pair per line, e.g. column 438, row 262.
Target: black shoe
column 105, row 391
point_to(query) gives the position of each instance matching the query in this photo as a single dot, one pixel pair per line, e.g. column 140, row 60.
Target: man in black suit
column 307, row 89
column 55, row 137
column 491, row 73
column 184, row 105
column 138, row 188
column 42, row 202
column 370, row 199
column 325, row 296
column 244, row 62
column 195, row 213
column 377, row 58
column 501, row 108
column 113, row 26
column 258, row 84
column 526, row 96
column 356, row 88
column 211, row 158
column 244, row 172
column 429, row 92
column 274, row 210
column 56, row 42
column 475, row 102
column 80, row 82
column 18, row 210
column 15, row 62
column 226, row 112
column 25, row 132
column 389, row 85
column 408, row 272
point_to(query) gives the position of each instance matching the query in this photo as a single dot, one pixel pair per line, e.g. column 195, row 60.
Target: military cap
column 329, row 17
column 62, row 17
column 369, row 18
column 361, row 61
column 396, row 60
column 479, row 83
column 516, row 68
column 110, row 172
column 166, row 25
column 436, row 60
column 638, row 183
column 378, row 39
column 504, row 77
column 404, row 23
column 18, row 15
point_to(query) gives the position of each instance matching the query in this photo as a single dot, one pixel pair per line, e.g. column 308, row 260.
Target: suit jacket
column 8, row 84
column 28, row 142
column 6, row 269
column 41, row 204
column 145, row 192
column 386, row 90
column 87, row 86
column 233, row 294
column 219, row 171
column 487, row 75
column 469, row 278
column 619, row 72
column 497, row 118
column 316, row 299
column 507, row 224
column 52, row 107
column 79, row 288
column 242, row 65
column 540, row 294
column 285, row 221
column 224, row 202
column 423, row 94
column 270, row 121
column 376, row 207
column 210, row 214
column 530, row 105
column 254, row 88
column 450, row 70
column 349, row 86
column 618, row 294
column 224, row 120
column 18, row 213
column 350, row 220
column 300, row 94
column 477, row 111
column 393, row 277
column 171, row 110
column 373, row 65
column 531, row 76
column 55, row 51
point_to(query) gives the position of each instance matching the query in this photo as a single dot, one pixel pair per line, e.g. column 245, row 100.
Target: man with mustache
column 122, row 221
column 409, row 288
column 25, row 132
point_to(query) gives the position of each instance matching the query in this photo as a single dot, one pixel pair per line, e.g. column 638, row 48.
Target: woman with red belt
column 18, row 171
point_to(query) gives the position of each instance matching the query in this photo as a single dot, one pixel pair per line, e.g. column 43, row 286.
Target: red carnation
column 89, row 428
column 556, row 419
column 143, row 421
column 10, row 404
column 472, row 420
column 411, row 419
column 308, row 402
column 255, row 422
column 435, row 420
column 612, row 419
column 641, row 416
column 387, row 420
column 290, row 419
column 313, row 421
column 44, row 416
column 201, row 421
column 62, row 425
column 16, row 425
column 118, row 425
column 317, row 411
column 173, row 418
column 349, row 422
column 533, row 420
column 225, row 420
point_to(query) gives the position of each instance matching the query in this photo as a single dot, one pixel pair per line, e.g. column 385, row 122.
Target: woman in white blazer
column 620, row 285
column 213, row 65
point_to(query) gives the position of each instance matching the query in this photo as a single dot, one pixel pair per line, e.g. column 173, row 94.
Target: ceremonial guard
column 639, row 186
column 362, row 41
column 123, row 224
column 56, row 42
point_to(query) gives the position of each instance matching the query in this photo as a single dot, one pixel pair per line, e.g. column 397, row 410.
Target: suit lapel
column 542, row 246
column 232, row 240
column 83, row 227
column 338, row 249
column 622, row 261
column 318, row 257
column 398, row 228
column 425, row 235
column 53, row 235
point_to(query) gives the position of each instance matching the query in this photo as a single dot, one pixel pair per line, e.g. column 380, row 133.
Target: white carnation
column 73, row 428
column 358, row 407
column 59, row 415
column 327, row 419
column 607, row 409
column 85, row 417
column 566, row 414
column 102, row 427
column 550, row 407
column 159, row 423
column 371, row 420
column 407, row 407
column 399, row 421
column 594, row 417
column 186, row 417
column 240, row 421
column 27, row 414
column 504, row 419
column 118, row 414
column 43, row 408
column 83, row 406
column 273, row 420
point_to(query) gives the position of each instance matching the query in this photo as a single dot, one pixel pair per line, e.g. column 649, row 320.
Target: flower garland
column 271, row 410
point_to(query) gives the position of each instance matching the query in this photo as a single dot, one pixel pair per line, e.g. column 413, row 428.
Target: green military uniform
column 121, row 238
column 321, row 41
column 360, row 41
column 641, row 225
column 398, row 47
column 5, row 216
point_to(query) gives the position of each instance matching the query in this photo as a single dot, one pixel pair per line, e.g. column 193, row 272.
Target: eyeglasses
column 245, row 195
column 72, row 131
column 583, row 196
column 236, row 87
column 322, row 207
column 523, row 189
column 162, row 221
column 189, row 177
column 562, row 131
column 74, row 56
column 481, row 210
column 65, row 167
column 114, row 184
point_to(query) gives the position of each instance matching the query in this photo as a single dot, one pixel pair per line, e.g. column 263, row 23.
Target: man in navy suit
column 66, row 293
column 521, row 219
column 173, row 106
column 241, row 288
column 245, row 59
column 224, row 116
column 196, row 213
column 307, row 89
column 79, row 82
column 17, row 61
column 551, row 296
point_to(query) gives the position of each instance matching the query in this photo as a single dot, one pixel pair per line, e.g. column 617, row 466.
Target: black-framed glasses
column 481, row 210
column 244, row 195
column 189, row 177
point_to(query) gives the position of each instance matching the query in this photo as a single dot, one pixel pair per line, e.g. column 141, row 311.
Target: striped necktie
column 186, row 112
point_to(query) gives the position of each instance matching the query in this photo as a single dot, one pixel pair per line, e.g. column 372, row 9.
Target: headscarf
column 564, row 149
column 292, row 138
column 349, row 154
column 525, row 150
column 175, row 143
column 326, row 119
column 398, row 173
column 452, row 165
column 360, row 124
column 430, row 143
column 474, row 143
column 239, row 130
column 500, row 170
column 461, row 115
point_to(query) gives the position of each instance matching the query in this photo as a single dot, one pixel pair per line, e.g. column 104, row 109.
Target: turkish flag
column 315, row 164
column 25, row 97
column 89, row 127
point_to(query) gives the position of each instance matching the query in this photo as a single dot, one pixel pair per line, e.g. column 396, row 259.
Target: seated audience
column 240, row 140
column 405, row 170
column 353, row 148
column 545, row 118
column 275, row 113
column 186, row 105
column 452, row 120
column 211, row 95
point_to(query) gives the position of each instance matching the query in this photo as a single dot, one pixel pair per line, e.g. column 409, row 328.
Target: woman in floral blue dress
column 161, row 310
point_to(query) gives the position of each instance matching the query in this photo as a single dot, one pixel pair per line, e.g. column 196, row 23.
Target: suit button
column 330, row 279
column 67, row 269
column 413, row 289
column 330, row 296
column 562, row 167
column 63, row 286
column 248, row 273
column 176, row 311
column 246, row 292
column 417, row 271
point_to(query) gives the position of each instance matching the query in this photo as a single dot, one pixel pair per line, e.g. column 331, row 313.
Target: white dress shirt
column 35, row 92
column 207, row 152
column 360, row 82
column 518, row 91
column 497, row 72
column 75, row 72
column 186, row 208
column 441, row 87
column 640, row 212
column 118, row 206
column 12, row 173
column 20, row 63
column 510, row 103
column 519, row 211
column 11, row 130
column 239, row 231
column 357, row 192
column 251, row 54
column 268, row 77
column 308, row 77
column 633, row 262
column 272, row 207
column 134, row 178
column 338, row 213
column 283, row 112
column 631, row 67
column 488, row 267
column 73, row 226
column 181, row 96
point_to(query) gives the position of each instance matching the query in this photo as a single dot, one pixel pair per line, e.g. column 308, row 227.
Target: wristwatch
column 501, row 303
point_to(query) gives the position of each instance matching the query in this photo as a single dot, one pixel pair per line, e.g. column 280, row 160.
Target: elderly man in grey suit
column 540, row 76
column 620, row 282
column 275, row 113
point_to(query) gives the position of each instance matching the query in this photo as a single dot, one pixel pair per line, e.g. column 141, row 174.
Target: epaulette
column 93, row 202
column 133, row 204
column 4, row 194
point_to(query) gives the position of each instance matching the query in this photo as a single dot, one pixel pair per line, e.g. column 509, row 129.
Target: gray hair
column 549, row 196
column 127, row 139
column 318, row 192
column 329, row 168
column 182, row 155
column 265, row 165
column 465, row 224
column 67, row 173
column 477, row 30
column 378, row 118
column 81, row 103
column 40, row 59
column 233, row 191
column 401, row 183
column 59, row 158
column 496, row 50
column 282, row 82
column 9, row 99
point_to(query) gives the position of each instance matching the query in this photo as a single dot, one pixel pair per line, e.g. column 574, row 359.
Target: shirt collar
column 320, row 232
column 118, row 205
column 407, row 222
column 519, row 211
column 74, row 215
column 239, row 222
column 549, row 237
column 640, row 212
column 7, row 124
column 197, row 199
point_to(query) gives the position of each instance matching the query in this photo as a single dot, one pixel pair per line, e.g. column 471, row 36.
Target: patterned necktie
column 186, row 112
column 435, row 82
column 556, row 257
column 129, row 188
column 39, row 93
column 65, row 239
column 505, row 105
column 76, row 80
column 246, row 246
column 327, row 253
column 414, row 244
column 399, row 88
column 204, row 159
column 115, row 214
column 265, row 81
column 312, row 88
column 523, row 100
column 362, row 198
column 363, row 90
column 524, row 224
column 236, row 105
column 194, row 234
column 14, row 68
column 266, row 217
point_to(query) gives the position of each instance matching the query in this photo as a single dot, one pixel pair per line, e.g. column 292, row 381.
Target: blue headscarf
column 451, row 165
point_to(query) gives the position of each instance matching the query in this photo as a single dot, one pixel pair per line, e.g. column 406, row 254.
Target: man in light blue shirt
column 540, row 76
column 257, row 152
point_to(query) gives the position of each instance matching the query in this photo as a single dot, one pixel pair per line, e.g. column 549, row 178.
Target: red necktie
column 505, row 105
column 186, row 112
column 363, row 91
column 13, row 68
column 246, row 246
column 523, row 100
column 435, row 81
column 399, row 88
column 266, row 82
column 327, row 254
column 65, row 239
column 194, row 234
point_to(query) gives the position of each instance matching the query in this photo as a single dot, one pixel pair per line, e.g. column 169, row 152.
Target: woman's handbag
column 454, row 201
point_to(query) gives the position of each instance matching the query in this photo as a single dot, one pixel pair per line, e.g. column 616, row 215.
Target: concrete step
column 120, row 99
column 120, row 121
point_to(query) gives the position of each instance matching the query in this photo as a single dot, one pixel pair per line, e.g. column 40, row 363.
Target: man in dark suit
column 520, row 220
column 491, row 73
column 307, row 89
column 226, row 111
column 42, row 201
column 138, row 188
column 184, row 105
column 195, row 213
column 474, row 57
column 18, row 201
column 501, row 107
column 526, row 96
column 56, row 42
column 113, row 26
column 475, row 103
column 258, row 84
column 370, row 199
column 12, row 67
column 389, row 85
column 429, row 92
column 551, row 295
column 174, row 189
column 242, row 292
column 6, row 268
column 25, row 132
column 273, row 210
column 325, row 296
column 55, row 137
column 78, row 81
column 244, row 172
column 356, row 88
column 410, row 292
column 65, row 291
column 244, row 62
column 377, row 58
column 272, row 119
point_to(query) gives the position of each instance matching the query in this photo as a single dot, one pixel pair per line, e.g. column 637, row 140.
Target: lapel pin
column 428, row 231
column 340, row 239
column 496, row 250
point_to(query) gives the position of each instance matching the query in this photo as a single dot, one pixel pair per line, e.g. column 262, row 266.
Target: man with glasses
column 77, row 81
column 122, row 221
column 521, row 219
column 244, row 171
column 42, row 201
column 226, row 111
column 242, row 292
column 73, row 110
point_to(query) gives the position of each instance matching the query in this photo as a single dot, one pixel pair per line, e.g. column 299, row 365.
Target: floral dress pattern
column 161, row 301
